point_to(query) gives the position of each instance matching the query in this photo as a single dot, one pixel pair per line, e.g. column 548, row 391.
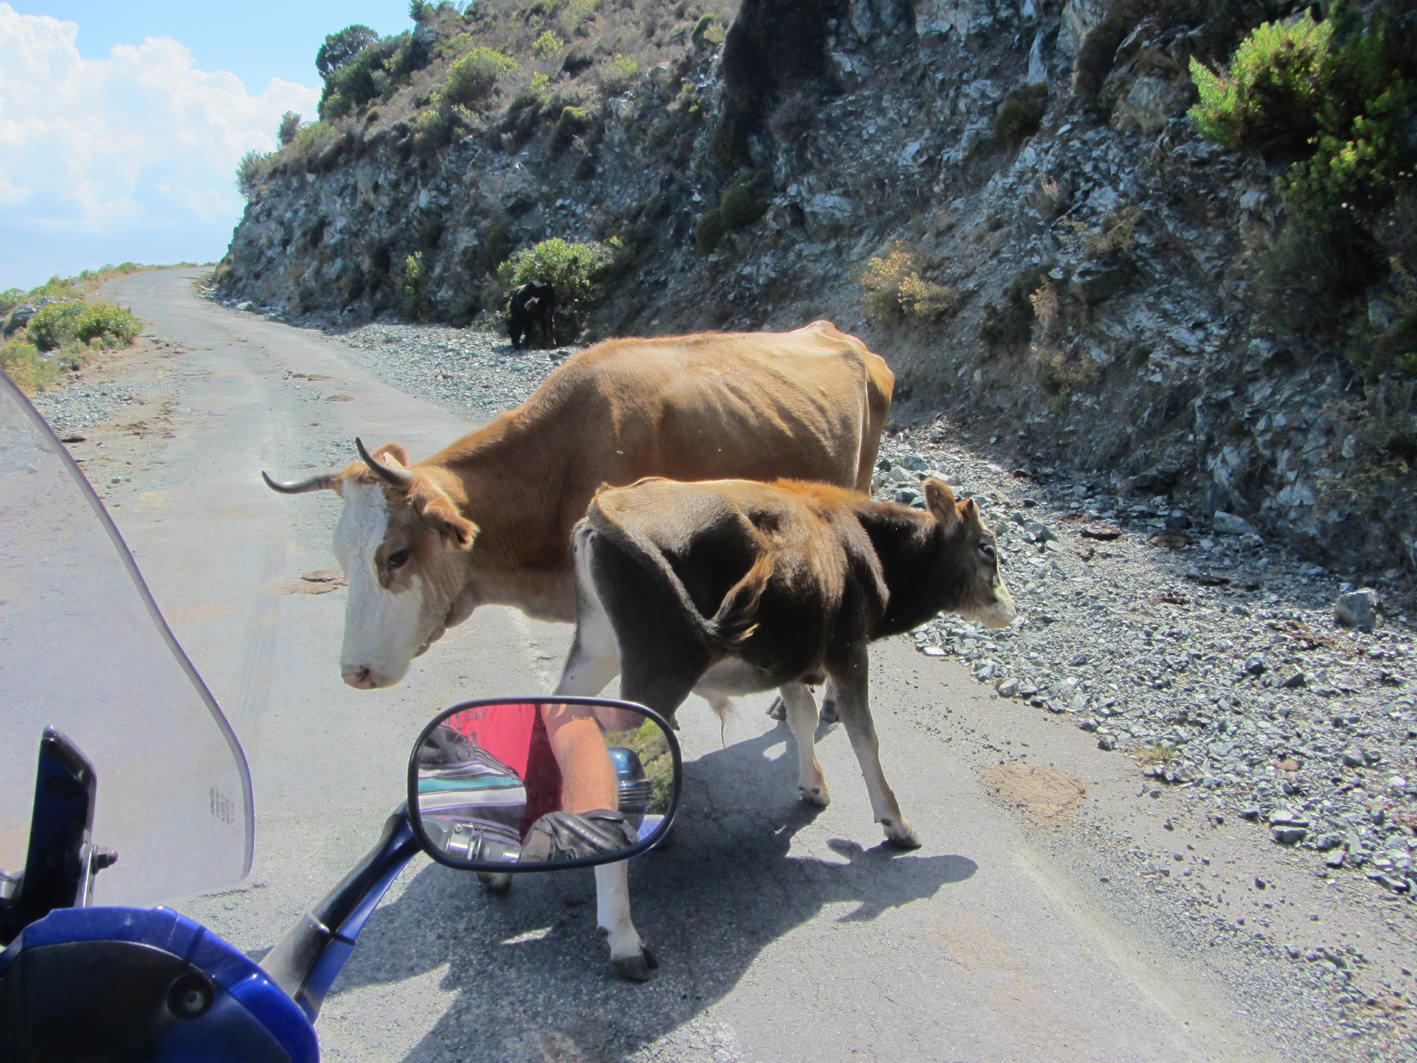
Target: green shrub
column 63, row 324
column 106, row 325
column 573, row 122
column 289, row 126
column 341, row 48
column 432, row 130
column 893, row 289
column 252, row 170
column 56, row 288
column 473, row 77
column 706, row 31
column 1358, row 169
column 709, row 230
column 1273, row 89
column 376, row 72
column 1021, row 113
column 414, row 301
column 56, row 325
column 743, row 202
column 1338, row 100
column 549, row 45
column 574, row 269
column 618, row 74
column 310, row 142
column 454, row 47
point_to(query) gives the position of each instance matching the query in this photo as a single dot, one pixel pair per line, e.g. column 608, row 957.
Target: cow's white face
column 403, row 582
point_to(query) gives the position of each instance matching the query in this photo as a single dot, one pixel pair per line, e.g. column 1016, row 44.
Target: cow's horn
column 315, row 483
column 397, row 477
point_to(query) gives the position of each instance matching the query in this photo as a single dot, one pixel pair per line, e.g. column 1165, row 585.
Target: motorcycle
column 94, row 965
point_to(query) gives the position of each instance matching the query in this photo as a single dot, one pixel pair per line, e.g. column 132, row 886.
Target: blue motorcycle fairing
column 156, row 986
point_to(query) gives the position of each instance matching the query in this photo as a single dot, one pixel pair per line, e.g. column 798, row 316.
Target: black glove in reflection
column 574, row 836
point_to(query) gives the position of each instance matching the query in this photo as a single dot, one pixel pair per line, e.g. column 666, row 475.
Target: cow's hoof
column 497, row 882
column 829, row 712
column 777, row 710
column 902, row 835
column 815, row 795
column 636, row 968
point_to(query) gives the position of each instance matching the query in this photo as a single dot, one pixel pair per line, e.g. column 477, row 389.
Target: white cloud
column 137, row 141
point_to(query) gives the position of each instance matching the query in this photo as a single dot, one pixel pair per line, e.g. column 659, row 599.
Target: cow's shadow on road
column 530, row 965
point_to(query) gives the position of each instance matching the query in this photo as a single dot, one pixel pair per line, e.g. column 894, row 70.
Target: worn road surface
column 1052, row 913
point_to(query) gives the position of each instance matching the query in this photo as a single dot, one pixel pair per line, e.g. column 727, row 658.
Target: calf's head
column 403, row 546
column 971, row 557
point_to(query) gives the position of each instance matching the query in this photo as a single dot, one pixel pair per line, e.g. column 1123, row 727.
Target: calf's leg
column 628, row 953
column 801, row 712
column 855, row 709
column 778, row 709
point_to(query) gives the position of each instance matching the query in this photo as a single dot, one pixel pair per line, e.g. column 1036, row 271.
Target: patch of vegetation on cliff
column 895, row 290
column 743, row 202
column 575, row 270
column 1332, row 104
column 501, row 56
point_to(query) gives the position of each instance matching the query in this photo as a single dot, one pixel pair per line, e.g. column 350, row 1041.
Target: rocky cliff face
column 1087, row 312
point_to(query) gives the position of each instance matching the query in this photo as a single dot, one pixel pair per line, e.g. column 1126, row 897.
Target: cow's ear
column 392, row 454
column 456, row 530
column 969, row 510
column 443, row 516
column 941, row 502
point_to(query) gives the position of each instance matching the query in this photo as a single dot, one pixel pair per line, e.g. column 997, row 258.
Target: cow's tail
column 736, row 617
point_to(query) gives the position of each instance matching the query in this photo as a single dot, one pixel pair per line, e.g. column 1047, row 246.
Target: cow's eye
column 987, row 549
column 398, row 559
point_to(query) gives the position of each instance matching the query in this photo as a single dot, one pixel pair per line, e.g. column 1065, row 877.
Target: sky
column 121, row 124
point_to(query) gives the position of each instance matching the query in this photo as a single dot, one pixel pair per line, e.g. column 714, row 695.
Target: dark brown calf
column 733, row 586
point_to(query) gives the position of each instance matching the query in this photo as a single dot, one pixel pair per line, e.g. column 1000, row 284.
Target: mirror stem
column 306, row 960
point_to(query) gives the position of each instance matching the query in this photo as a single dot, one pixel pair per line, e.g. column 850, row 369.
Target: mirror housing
column 543, row 784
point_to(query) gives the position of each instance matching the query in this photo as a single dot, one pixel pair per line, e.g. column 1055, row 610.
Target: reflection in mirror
column 546, row 782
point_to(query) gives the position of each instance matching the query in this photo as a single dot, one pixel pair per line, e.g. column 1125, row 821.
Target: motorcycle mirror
column 542, row 784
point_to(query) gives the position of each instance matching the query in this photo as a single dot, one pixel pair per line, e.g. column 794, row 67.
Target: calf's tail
column 736, row 616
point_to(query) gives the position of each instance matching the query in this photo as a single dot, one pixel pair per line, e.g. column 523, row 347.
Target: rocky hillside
column 1007, row 199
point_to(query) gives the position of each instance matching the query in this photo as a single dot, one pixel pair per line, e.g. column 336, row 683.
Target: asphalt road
column 783, row 933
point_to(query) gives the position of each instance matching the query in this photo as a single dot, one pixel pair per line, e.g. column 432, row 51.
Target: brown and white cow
column 488, row 519
column 730, row 587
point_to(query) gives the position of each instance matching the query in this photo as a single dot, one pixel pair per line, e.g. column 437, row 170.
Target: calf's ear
column 940, row 500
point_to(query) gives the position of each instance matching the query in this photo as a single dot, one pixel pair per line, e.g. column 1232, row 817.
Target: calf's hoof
column 777, row 710
column 636, row 968
column 829, row 711
column 815, row 795
column 497, row 882
column 901, row 834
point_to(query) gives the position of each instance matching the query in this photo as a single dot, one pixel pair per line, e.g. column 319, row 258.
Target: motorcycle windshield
column 84, row 649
